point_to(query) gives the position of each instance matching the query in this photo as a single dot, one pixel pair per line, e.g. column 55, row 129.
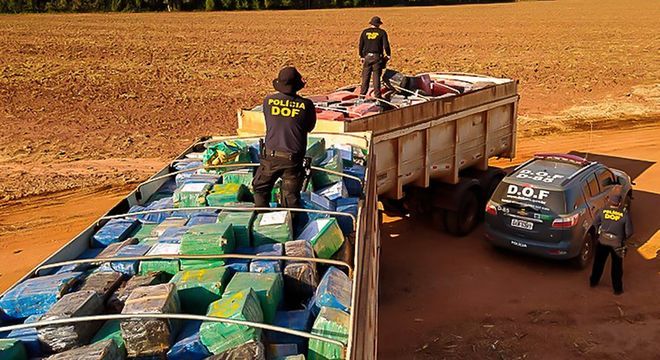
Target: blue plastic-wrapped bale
column 188, row 345
column 29, row 338
column 157, row 217
column 150, row 337
column 349, row 206
column 180, row 178
column 300, row 320
column 36, row 295
column 87, row 254
column 11, row 349
column 202, row 218
column 171, row 222
column 345, row 153
column 334, row 324
column 353, row 186
column 333, row 192
column 173, row 235
column 128, row 268
column 268, row 266
column 56, row 338
column 103, row 350
column 115, row 230
column 186, row 163
column 240, row 265
column 334, row 290
column 303, row 218
column 103, row 283
column 300, row 277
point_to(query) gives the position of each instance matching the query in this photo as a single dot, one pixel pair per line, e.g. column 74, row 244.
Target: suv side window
column 605, row 179
column 593, row 185
column 579, row 198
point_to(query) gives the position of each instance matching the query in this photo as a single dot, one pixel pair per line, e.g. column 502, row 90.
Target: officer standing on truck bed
column 374, row 52
column 615, row 228
column 289, row 118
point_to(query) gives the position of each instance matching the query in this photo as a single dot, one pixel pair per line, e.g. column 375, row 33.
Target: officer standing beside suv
column 374, row 50
column 289, row 118
column 614, row 229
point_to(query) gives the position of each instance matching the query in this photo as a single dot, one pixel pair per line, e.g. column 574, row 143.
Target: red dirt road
column 459, row 298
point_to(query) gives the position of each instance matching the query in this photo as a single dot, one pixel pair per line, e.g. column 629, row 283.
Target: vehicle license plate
column 522, row 224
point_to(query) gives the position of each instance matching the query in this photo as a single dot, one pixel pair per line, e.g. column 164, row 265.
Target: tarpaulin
column 115, row 230
column 58, row 338
column 104, row 350
column 333, row 324
column 229, row 151
column 272, row 227
column 197, row 289
column 36, row 295
column 269, row 288
column 334, row 290
column 325, row 236
column 188, row 345
column 150, row 337
column 241, row 305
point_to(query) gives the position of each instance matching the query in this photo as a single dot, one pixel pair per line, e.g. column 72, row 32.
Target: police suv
column 548, row 204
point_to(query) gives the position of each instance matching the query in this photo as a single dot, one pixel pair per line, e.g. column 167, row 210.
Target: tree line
column 20, row 6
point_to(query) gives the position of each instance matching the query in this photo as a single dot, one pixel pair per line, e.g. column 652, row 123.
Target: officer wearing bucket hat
column 614, row 229
column 289, row 118
column 374, row 50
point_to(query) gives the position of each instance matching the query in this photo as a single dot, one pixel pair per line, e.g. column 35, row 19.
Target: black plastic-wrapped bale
column 104, row 350
column 300, row 277
column 59, row 338
column 116, row 302
column 103, row 283
column 252, row 350
column 150, row 337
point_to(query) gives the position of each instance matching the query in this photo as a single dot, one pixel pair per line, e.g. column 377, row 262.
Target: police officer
column 374, row 51
column 289, row 118
column 615, row 228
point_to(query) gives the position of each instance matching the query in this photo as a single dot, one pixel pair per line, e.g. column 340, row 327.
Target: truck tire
column 586, row 254
column 463, row 220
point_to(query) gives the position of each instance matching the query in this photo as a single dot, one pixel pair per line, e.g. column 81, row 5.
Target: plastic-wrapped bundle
column 350, row 206
column 272, row 227
column 12, row 349
column 102, row 283
column 115, row 230
column 58, row 338
column 333, row 324
column 225, row 152
column 241, row 224
column 240, row 176
column 315, row 149
column 291, row 357
column 117, row 300
column 183, row 164
column 334, row 290
column 172, row 222
column 240, row 265
column 104, row 350
column 110, row 331
column 267, row 266
column 180, row 178
column 164, row 203
column 202, row 218
column 300, row 320
column 111, row 250
column 332, row 161
column 253, row 350
column 207, row 239
column 150, row 337
column 334, row 191
column 283, row 351
column 173, row 235
column 28, row 337
column 353, row 186
column 303, row 218
column 269, row 287
column 324, row 235
column 166, row 266
column 346, row 153
column 143, row 231
column 87, row 254
column 241, row 305
column 128, row 268
column 36, row 295
column 188, row 345
column 300, row 277
column 191, row 195
column 197, row 289
column 227, row 193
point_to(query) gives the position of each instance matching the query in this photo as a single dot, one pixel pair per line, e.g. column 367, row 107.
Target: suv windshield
column 530, row 197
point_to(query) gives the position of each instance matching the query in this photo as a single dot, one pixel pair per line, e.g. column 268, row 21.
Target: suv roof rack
column 573, row 159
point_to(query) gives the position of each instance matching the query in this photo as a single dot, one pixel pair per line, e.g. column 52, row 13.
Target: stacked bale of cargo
column 102, row 283
column 325, row 236
column 170, row 222
column 170, row 267
column 29, row 338
column 333, row 162
column 111, row 330
column 188, row 345
column 269, row 288
column 272, row 227
column 240, row 176
column 191, row 194
column 300, row 277
column 103, row 350
column 300, row 320
column 267, row 266
column 334, row 291
column 12, row 349
column 241, row 222
column 128, row 267
column 197, row 289
column 207, row 239
column 118, row 299
column 222, row 194
column 330, row 323
column 115, row 230
column 253, row 350
column 202, row 218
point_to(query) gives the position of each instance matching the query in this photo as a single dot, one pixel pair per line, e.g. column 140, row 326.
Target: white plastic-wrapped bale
column 252, row 350
column 150, row 337
column 300, row 277
column 58, row 338
column 104, row 350
column 103, row 283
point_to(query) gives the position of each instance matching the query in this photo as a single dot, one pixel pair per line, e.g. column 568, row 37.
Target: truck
column 430, row 153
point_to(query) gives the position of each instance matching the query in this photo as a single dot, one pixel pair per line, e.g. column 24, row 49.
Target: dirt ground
column 92, row 104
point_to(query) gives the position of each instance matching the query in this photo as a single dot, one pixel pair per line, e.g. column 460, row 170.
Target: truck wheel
column 586, row 254
column 462, row 221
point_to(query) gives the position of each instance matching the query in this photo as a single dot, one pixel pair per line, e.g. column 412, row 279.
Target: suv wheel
column 462, row 221
column 586, row 254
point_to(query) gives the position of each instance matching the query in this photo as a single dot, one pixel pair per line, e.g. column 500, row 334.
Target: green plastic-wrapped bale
column 110, row 330
column 191, row 195
column 199, row 288
column 143, row 231
column 240, row 176
column 332, row 161
column 315, row 149
column 272, row 227
column 268, row 286
column 325, row 235
column 225, row 152
column 12, row 349
column 330, row 323
column 207, row 239
column 241, row 222
column 241, row 305
column 167, row 266
column 222, row 194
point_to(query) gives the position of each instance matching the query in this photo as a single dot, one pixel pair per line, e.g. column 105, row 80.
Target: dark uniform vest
column 615, row 226
column 288, row 120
